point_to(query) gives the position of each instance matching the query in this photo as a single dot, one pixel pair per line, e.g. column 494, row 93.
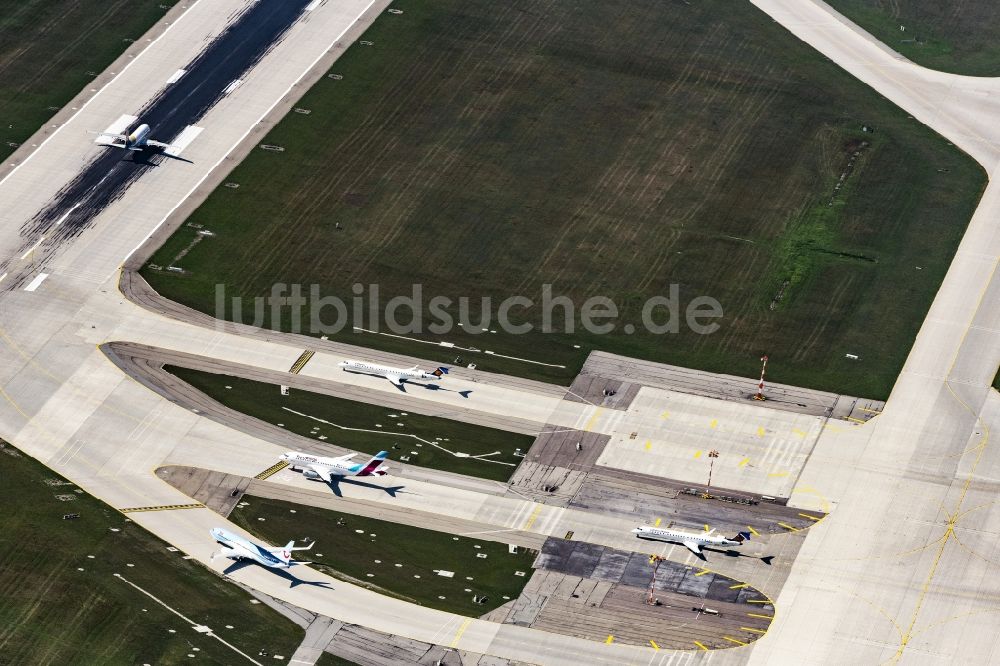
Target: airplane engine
column 309, row 474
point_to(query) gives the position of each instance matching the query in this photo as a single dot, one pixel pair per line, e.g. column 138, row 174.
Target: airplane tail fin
column 741, row 537
column 440, row 372
column 372, row 467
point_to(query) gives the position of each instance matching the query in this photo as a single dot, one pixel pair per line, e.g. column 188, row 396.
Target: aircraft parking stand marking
column 752, row 630
column 609, row 639
column 701, row 645
column 272, row 470
column 733, row 640
column 753, row 531
column 164, row 507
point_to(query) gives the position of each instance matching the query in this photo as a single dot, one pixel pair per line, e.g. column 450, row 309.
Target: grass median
column 614, row 148
column 949, row 36
column 426, row 441
column 425, row 567
column 63, row 604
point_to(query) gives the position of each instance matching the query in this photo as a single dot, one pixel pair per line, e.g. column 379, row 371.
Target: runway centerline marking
column 37, row 282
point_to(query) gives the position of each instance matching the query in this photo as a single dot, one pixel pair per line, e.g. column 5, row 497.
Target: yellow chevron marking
column 272, row 470
column 301, row 361
column 162, row 507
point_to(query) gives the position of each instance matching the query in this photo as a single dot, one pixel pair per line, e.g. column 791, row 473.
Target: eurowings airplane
column 237, row 548
column 137, row 140
column 693, row 541
column 395, row 375
column 328, row 469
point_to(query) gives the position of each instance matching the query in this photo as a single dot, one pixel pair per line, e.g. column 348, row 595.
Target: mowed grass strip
column 427, row 441
column 609, row 148
column 949, row 36
column 350, row 546
column 50, row 51
column 62, row 604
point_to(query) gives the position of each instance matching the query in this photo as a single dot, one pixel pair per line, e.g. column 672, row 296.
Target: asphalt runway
column 206, row 80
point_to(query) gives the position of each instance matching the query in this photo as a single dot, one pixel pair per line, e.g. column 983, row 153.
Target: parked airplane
column 328, row 469
column 137, row 140
column 238, row 548
column 693, row 541
column 395, row 375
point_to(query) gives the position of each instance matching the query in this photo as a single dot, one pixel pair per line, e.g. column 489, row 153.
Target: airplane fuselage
column 244, row 549
column 138, row 138
column 341, row 467
column 395, row 375
column 695, row 541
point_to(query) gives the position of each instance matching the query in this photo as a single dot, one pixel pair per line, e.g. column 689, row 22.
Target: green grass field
column 959, row 37
column 327, row 659
column 50, row 51
column 399, row 433
column 61, row 603
column 381, row 546
column 607, row 148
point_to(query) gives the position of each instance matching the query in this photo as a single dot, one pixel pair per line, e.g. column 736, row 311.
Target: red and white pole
column 760, row 386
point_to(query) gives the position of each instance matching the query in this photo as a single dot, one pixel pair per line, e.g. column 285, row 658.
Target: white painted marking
column 2, row 277
column 238, row 141
column 63, row 218
column 33, row 248
column 37, row 282
column 117, row 127
column 182, row 140
column 232, row 86
column 176, row 76
column 312, row 5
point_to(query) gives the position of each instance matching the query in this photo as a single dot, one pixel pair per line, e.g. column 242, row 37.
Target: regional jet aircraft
column 693, row 541
column 237, row 548
column 137, row 140
column 395, row 375
column 329, row 469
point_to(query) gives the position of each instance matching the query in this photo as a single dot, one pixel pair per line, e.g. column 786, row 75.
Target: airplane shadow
column 144, row 156
column 391, row 491
column 437, row 387
column 766, row 559
column 283, row 573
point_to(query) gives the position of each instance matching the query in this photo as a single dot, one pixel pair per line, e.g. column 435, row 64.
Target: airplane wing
column 693, row 547
column 159, row 144
column 395, row 379
column 323, row 471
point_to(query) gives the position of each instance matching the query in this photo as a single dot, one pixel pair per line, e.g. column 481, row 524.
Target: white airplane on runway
column 238, row 548
column 328, row 469
column 137, row 140
column 693, row 541
column 395, row 375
